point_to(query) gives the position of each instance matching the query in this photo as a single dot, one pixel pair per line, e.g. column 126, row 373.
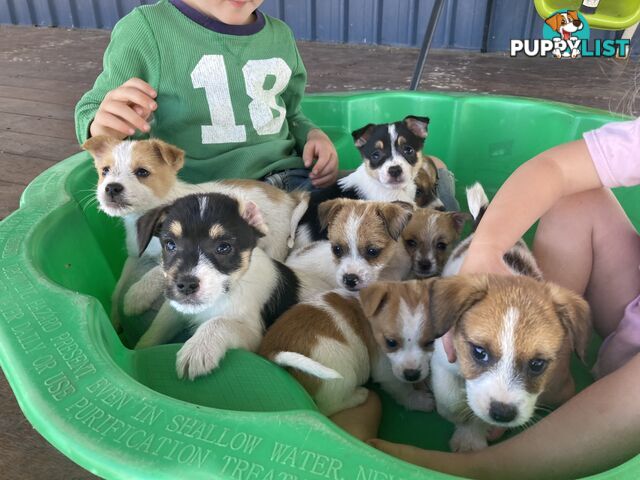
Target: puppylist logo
column 565, row 34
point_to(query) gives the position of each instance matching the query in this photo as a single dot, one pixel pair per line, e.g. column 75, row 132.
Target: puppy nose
column 350, row 280
column 114, row 189
column 395, row 171
column 577, row 23
column 411, row 375
column 187, row 285
column 502, row 412
column 424, row 265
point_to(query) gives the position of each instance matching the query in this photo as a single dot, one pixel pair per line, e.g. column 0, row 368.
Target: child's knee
column 447, row 189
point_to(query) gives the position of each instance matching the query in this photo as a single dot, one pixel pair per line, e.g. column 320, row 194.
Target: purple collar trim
column 216, row 25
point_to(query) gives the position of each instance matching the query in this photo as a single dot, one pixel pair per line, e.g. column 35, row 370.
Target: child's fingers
column 141, row 85
column 308, row 154
column 104, row 122
column 133, row 95
column 326, row 180
column 325, row 164
column 127, row 114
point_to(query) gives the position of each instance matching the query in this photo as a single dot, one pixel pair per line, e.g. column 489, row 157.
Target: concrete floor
column 43, row 72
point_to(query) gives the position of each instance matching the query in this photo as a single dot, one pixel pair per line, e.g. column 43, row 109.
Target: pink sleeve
column 615, row 150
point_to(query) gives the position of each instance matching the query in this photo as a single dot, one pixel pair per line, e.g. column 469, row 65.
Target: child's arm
column 310, row 140
column 120, row 101
column 528, row 193
column 596, row 430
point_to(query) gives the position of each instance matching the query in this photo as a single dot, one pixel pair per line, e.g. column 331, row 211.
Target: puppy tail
column 305, row 364
column 298, row 212
column 478, row 202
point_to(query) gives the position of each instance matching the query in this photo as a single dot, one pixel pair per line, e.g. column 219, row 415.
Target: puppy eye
column 376, row 155
column 391, row 343
column 224, row 248
column 441, row 246
column 337, row 250
column 373, row 252
column 141, row 172
column 408, row 150
column 169, row 246
column 411, row 243
column 480, row 354
column 105, row 170
column 537, row 366
column 419, row 191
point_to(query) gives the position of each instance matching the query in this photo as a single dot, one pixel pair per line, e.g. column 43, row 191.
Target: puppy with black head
column 216, row 278
column 391, row 159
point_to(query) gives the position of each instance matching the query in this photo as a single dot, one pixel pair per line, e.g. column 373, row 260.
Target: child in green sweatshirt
column 220, row 80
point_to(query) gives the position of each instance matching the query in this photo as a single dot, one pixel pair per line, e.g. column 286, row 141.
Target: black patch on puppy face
column 227, row 249
column 375, row 143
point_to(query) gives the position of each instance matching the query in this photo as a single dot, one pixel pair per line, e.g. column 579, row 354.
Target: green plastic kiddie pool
column 122, row 413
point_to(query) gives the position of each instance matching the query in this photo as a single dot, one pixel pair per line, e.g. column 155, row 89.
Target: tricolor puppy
column 518, row 258
column 430, row 237
column 137, row 176
column 217, row 278
column 391, row 159
column 566, row 24
column 362, row 246
column 427, row 185
column 513, row 336
column 388, row 335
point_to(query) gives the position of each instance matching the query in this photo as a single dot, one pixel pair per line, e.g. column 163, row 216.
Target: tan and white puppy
column 430, row 237
column 362, row 246
column 513, row 336
column 387, row 335
column 566, row 24
column 137, row 176
column 426, row 181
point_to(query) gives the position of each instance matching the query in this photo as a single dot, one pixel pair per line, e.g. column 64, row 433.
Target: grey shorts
column 447, row 190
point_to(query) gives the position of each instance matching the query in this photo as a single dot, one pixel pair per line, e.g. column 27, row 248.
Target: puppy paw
column 197, row 357
column 138, row 299
column 467, row 440
column 420, row 400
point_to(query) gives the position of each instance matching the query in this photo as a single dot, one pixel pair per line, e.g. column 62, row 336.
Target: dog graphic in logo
column 566, row 24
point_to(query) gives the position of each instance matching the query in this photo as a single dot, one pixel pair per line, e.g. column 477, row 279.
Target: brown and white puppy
column 426, row 181
column 387, row 335
column 362, row 246
column 430, row 237
column 137, row 176
column 512, row 336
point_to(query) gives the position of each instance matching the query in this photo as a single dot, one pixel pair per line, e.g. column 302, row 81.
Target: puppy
column 392, row 157
column 566, row 24
column 518, row 258
column 512, row 336
column 137, row 176
column 427, row 185
column 217, row 278
column 430, row 237
column 387, row 335
column 362, row 245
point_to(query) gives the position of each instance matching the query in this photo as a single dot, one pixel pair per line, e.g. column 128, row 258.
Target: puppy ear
column 373, row 298
column 575, row 315
column 451, row 297
column 459, row 219
column 172, row 155
column 361, row 136
column 572, row 14
column 250, row 212
column 417, row 125
column 100, row 145
column 149, row 225
column 429, row 167
column 553, row 21
column 328, row 210
column 395, row 216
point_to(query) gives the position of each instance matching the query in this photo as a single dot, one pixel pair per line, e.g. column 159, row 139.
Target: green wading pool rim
column 123, row 414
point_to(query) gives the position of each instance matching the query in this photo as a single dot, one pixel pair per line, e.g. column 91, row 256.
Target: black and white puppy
column 217, row 278
column 391, row 159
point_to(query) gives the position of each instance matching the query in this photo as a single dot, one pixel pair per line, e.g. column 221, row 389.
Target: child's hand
column 124, row 110
column 318, row 146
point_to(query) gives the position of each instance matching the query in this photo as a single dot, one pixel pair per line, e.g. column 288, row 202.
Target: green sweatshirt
column 228, row 95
